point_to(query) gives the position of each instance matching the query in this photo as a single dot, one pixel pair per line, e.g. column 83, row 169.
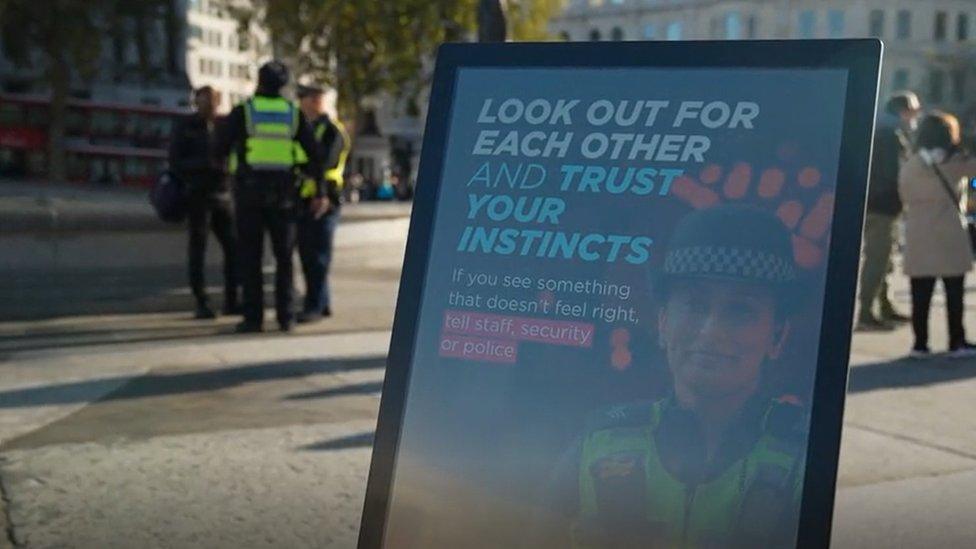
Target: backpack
column 168, row 198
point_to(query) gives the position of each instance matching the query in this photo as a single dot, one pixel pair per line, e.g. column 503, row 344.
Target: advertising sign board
column 624, row 318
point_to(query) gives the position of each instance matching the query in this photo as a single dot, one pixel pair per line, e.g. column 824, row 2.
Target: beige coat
column 936, row 240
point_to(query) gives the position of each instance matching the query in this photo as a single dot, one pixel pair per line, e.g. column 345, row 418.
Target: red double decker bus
column 105, row 142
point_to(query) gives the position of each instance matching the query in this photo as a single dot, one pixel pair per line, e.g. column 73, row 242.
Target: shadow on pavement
column 36, row 295
column 117, row 332
column 355, row 389
column 906, row 372
column 359, row 440
column 153, row 385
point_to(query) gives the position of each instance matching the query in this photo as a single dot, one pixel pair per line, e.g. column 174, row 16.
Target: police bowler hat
column 730, row 242
column 308, row 90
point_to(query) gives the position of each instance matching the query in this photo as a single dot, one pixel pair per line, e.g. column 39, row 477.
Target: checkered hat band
column 736, row 262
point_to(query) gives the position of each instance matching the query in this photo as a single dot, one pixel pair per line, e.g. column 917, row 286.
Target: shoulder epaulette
column 632, row 414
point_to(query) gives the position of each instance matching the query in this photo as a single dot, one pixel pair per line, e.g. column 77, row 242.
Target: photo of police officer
column 718, row 462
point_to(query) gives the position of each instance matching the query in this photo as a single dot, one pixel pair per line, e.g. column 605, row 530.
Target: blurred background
column 125, row 422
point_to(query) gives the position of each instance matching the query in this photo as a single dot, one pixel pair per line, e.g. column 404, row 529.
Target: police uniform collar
column 681, row 444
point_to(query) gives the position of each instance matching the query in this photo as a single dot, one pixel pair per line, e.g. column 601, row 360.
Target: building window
column 752, row 26
column 941, row 22
column 835, row 23
column 595, row 35
column 714, row 26
column 958, row 86
column 202, row 65
column 876, row 24
column 616, row 34
column 903, row 28
column 733, row 25
column 962, row 27
column 936, row 86
column 900, row 81
column 674, row 30
column 806, row 22
column 650, row 31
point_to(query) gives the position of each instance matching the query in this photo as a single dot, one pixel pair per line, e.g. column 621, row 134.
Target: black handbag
column 168, row 198
column 956, row 201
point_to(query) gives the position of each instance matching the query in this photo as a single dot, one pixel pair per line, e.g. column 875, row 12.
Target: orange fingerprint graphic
column 808, row 219
column 807, row 254
column 808, row 177
column 737, row 183
column 818, row 220
column 697, row 196
column 710, row 174
column 771, row 183
column 620, row 356
column 790, row 213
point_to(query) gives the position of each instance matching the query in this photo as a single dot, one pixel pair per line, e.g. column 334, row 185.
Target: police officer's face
column 313, row 103
column 716, row 335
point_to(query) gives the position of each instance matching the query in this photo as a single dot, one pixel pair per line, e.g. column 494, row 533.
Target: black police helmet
column 731, row 242
column 272, row 76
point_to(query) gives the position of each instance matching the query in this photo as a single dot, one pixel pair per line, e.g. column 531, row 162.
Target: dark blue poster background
column 560, row 194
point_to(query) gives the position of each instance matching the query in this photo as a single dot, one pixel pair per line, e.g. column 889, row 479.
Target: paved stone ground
column 255, row 444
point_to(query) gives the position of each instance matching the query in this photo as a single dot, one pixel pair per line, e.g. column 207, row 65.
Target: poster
column 618, row 331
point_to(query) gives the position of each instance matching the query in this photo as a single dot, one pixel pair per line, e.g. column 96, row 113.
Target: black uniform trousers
column 212, row 211
column 260, row 210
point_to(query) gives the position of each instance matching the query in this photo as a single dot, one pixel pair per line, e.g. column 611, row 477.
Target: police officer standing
column 261, row 139
column 316, row 227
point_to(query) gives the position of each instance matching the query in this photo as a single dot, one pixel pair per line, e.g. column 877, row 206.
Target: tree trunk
column 142, row 24
column 60, row 77
column 174, row 36
column 492, row 26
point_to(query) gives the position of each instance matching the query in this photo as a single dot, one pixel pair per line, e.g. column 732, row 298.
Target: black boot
column 204, row 312
column 232, row 308
column 308, row 317
column 245, row 327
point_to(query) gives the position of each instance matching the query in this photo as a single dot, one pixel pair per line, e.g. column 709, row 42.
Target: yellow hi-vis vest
column 336, row 173
column 331, row 174
column 756, row 492
column 272, row 123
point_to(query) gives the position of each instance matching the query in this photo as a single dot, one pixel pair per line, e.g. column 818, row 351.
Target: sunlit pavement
column 152, row 430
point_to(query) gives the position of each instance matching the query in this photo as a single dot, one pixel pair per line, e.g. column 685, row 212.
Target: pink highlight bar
column 480, row 349
column 556, row 332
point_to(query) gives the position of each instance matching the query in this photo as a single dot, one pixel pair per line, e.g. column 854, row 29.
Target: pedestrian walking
column 317, row 226
column 261, row 138
column 937, row 243
column 209, row 206
column 892, row 146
